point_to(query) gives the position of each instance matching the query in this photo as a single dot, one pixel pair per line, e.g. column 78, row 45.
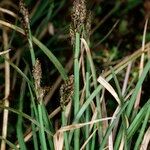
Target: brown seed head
column 81, row 20
column 37, row 75
column 66, row 91
column 24, row 16
column 78, row 14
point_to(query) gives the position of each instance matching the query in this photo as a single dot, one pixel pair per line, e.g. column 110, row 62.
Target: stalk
column 76, row 88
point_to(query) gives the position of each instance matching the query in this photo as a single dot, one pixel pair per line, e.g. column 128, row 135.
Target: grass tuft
column 84, row 90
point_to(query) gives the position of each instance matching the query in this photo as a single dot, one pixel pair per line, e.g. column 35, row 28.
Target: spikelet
column 24, row 16
column 81, row 20
column 37, row 75
column 66, row 92
column 78, row 17
column 78, row 14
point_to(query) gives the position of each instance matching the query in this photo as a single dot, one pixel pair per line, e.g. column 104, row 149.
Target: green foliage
column 78, row 112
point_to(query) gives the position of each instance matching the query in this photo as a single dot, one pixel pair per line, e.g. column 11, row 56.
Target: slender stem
column 42, row 132
column 20, row 118
column 64, row 122
column 137, row 102
column 7, row 92
column 76, row 88
column 87, row 117
column 91, row 63
column 31, row 46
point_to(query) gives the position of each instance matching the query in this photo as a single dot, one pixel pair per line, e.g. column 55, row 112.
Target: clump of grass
column 81, row 115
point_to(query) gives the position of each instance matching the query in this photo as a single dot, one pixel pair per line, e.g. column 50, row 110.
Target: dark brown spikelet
column 66, row 92
column 24, row 16
column 78, row 14
column 81, row 20
column 37, row 75
column 78, row 17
